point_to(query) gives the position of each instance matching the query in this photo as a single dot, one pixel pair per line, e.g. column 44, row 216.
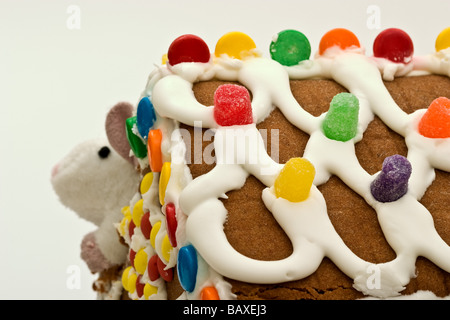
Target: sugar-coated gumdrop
column 146, row 183
column 154, row 150
column 140, row 261
column 232, row 105
column 235, row 44
column 338, row 37
column 435, row 123
column 146, row 226
column 145, row 116
column 164, row 181
column 295, row 180
column 443, row 40
column 188, row 48
column 392, row 182
column 149, row 290
column 187, row 267
column 166, row 274
column 136, row 143
column 289, row 47
column 341, row 121
column 209, row 293
column 171, row 222
column 393, row 44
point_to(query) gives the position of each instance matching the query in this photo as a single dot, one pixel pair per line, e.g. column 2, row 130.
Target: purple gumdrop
column 392, row 182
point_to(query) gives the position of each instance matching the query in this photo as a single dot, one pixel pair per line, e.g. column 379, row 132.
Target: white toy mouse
column 96, row 179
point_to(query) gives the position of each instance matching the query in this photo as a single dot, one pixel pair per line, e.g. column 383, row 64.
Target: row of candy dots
column 187, row 268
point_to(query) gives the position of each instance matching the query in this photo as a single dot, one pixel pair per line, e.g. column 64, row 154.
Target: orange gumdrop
column 209, row 293
column 154, row 150
column 435, row 123
column 338, row 37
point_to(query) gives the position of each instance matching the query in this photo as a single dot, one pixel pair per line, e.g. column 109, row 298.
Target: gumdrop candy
column 235, row 44
column 393, row 44
column 136, row 143
column 146, row 116
column 338, row 37
column 443, row 40
column 187, row 266
column 295, row 180
column 392, row 182
column 188, row 48
column 232, row 105
column 289, row 47
column 435, row 123
column 341, row 121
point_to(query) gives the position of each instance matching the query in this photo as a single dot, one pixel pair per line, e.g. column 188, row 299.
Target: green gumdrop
column 341, row 120
column 290, row 47
column 136, row 143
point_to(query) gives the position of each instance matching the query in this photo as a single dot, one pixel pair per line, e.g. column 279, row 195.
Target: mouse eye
column 103, row 153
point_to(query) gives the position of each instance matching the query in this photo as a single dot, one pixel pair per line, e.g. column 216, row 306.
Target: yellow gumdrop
column 295, row 180
column 166, row 247
column 163, row 181
column 146, row 183
column 443, row 40
column 132, row 282
column 138, row 212
column 235, row 44
column 125, row 275
column 154, row 232
column 140, row 261
column 149, row 290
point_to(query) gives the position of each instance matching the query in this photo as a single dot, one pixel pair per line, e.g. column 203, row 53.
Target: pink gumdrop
column 232, row 105
column 188, row 48
column 393, row 44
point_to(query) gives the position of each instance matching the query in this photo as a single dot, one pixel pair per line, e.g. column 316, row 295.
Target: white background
column 57, row 83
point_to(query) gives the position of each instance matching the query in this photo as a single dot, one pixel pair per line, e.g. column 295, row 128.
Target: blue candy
column 146, row 116
column 187, row 267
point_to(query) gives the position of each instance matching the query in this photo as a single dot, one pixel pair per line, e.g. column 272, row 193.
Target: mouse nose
column 55, row 170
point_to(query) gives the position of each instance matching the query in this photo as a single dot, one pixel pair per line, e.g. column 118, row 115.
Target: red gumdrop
column 232, row 105
column 172, row 223
column 435, row 123
column 146, row 226
column 393, row 44
column 188, row 48
column 131, row 256
column 139, row 286
column 152, row 268
column 165, row 274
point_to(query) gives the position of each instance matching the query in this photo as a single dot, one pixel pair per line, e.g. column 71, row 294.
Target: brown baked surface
column 251, row 229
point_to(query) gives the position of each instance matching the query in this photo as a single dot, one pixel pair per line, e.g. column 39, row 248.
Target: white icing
column 406, row 224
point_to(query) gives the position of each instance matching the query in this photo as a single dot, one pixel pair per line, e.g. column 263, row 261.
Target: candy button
column 167, row 275
column 131, row 256
column 125, row 275
column 187, row 267
column 145, row 116
column 154, row 150
column 232, row 105
column 435, row 123
column 140, row 261
column 171, row 222
column 136, row 144
column 338, row 37
column 164, row 181
column 188, row 48
column 295, row 180
column 139, row 286
column 146, row 183
column 154, row 232
column 164, row 59
column 290, row 47
column 209, row 293
column 393, row 44
column 166, row 247
column 146, row 226
column 149, row 290
column 138, row 212
column 132, row 278
column 131, row 227
column 235, row 44
column 152, row 268
column 341, row 121
column 443, row 40
column 392, row 182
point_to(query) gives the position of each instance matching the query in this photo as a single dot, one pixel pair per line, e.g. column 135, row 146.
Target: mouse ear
column 116, row 129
